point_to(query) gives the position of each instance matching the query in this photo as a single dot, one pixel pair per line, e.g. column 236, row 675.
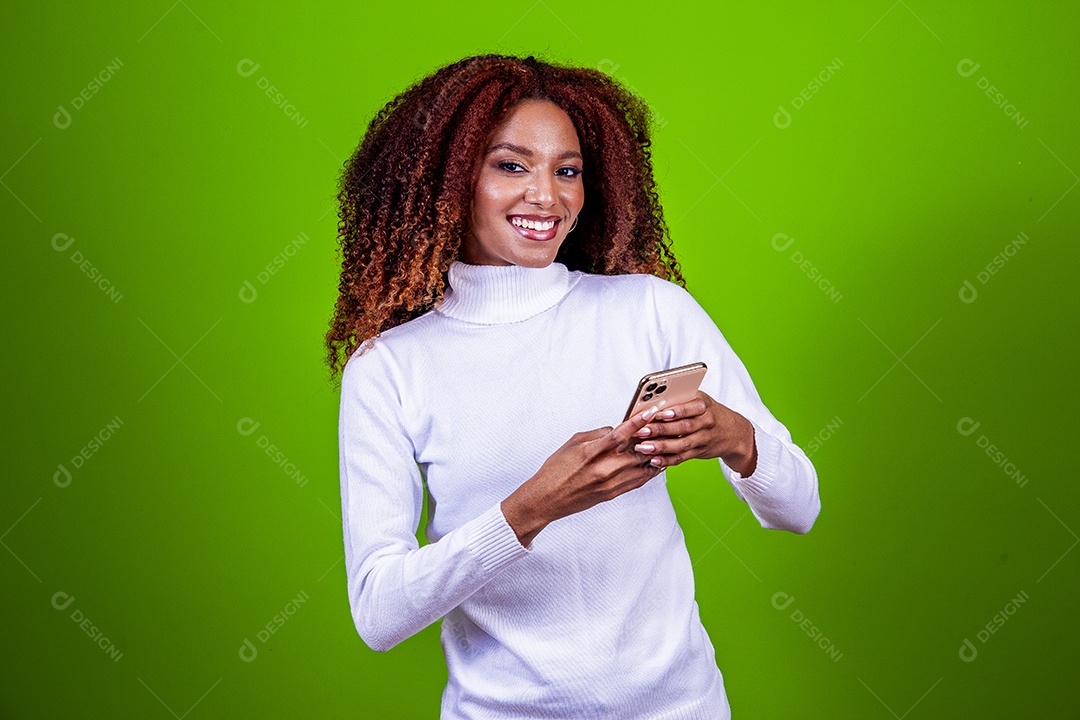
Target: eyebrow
column 529, row 153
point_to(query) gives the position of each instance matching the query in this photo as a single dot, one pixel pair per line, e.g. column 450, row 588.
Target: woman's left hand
column 699, row 428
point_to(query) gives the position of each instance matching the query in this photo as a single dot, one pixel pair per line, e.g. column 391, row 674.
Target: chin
column 538, row 257
column 534, row 262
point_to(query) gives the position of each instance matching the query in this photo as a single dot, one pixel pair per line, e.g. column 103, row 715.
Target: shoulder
column 383, row 356
column 642, row 291
column 623, row 287
column 666, row 296
column 667, row 289
column 673, row 296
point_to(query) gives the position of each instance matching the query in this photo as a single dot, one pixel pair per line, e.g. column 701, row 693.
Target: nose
column 541, row 190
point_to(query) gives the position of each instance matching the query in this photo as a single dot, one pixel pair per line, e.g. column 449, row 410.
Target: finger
column 666, row 461
column 670, row 428
column 690, row 408
column 622, row 436
column 664, row 417
column 592, row 434
column 669, row 459
column 683, row 446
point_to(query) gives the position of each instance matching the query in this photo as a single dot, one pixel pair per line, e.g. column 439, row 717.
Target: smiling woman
column 406, row 193
column 506, row 279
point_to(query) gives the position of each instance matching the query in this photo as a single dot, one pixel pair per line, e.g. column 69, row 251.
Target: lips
column 535, row 227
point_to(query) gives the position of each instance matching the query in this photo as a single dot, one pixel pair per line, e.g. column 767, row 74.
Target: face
column 527, row 190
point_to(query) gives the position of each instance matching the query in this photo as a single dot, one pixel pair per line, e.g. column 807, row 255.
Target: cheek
column 575, row 200
column 574, row 197
column 480, row 210
column 489, row 199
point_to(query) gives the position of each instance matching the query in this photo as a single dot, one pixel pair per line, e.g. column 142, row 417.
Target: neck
column 497, row 294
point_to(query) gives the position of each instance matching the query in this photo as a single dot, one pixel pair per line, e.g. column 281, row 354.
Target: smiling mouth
column 534, row 227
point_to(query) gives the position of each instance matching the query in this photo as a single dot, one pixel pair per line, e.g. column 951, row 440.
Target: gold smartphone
column 673, row 386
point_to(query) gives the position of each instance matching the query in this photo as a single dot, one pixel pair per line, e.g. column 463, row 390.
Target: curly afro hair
column 404, row 194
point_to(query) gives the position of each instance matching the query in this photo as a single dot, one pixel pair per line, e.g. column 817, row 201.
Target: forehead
column 540, row 124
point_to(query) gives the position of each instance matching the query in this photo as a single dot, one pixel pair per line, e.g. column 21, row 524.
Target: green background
column 899, row 179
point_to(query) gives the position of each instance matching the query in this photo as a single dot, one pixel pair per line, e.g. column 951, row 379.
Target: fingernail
column 644, row 432
column 648, row 414
column 644, row 447
column 667, row 414
column 655, row 462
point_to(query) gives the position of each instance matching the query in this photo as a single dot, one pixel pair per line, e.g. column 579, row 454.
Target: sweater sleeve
column 397, row 588
column 782, row 492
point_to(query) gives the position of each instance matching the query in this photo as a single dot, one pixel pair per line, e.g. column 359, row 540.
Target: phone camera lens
column 661, row 389
column 646, row 397
column 650, row 387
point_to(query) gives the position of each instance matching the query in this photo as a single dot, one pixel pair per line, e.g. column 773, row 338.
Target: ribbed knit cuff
column 493, row 542
column 768, row 460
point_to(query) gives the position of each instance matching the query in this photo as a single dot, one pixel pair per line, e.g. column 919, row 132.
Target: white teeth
column 532, row 225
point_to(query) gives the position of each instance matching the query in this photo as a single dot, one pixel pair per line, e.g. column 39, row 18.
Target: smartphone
column 673, row 386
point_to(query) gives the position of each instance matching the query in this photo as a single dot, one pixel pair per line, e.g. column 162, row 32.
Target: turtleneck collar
column 497, row 294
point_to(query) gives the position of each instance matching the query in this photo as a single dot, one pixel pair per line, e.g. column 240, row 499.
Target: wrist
column 522, row 517
column 743, row 457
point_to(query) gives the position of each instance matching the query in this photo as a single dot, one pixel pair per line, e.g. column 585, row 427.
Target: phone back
column 669, row 387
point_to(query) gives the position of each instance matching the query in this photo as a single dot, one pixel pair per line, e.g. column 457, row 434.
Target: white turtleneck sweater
column 596, row 618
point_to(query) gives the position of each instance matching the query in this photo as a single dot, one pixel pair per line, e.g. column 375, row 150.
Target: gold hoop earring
column 572, row 226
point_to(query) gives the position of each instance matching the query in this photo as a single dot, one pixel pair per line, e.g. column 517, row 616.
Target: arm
column 397, row 588
column 782, row 489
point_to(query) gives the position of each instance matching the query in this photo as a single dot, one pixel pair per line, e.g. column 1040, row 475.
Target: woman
column 506, row 261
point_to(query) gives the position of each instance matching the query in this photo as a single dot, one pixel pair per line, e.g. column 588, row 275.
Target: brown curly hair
column 405, row 192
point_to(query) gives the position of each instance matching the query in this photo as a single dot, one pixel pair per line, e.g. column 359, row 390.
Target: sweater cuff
column 768, row 461
column 493, row 542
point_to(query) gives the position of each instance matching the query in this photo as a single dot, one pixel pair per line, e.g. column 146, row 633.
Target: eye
column 509, row 166
column 570, row 172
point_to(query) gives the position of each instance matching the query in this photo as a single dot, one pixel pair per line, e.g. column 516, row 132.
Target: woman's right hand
column 590, row 468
